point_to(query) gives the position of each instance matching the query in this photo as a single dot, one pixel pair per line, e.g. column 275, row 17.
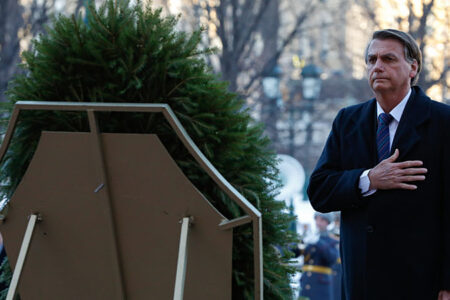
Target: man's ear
column 414, row 69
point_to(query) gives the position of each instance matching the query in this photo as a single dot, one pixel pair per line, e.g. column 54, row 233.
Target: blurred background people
column 336, row 267
column 319, row 257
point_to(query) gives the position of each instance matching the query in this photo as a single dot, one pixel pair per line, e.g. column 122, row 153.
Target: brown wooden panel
column 70, row 256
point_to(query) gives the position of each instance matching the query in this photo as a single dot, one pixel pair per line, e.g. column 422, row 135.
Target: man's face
column 321, row 223
column 387, row 68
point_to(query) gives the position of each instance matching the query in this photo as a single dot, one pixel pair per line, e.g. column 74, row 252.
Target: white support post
column 22, row 256
column 182, row 258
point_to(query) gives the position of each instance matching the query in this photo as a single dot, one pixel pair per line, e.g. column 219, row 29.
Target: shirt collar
column 397, row 112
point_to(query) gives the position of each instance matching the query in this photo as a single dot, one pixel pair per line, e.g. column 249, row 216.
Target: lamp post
column 271, row 83
column 271, row 89
column 311, row 82
column 311, row 85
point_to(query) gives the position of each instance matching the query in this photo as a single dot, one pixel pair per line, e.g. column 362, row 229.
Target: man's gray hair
column 412, row 50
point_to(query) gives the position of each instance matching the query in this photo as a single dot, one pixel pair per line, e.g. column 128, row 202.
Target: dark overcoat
column 395, row 244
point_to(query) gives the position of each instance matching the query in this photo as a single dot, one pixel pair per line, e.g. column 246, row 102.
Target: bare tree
column 18, row 24
column 247, row 32
column 11, row 22
column 250, row 36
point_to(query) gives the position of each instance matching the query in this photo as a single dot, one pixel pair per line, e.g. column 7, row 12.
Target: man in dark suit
column 386, row 167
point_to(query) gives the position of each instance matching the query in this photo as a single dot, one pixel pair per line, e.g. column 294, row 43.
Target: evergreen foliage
column 5, row 276
column 130, row 53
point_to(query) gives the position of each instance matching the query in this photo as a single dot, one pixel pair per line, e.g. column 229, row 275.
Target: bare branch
column 247, row 32
column 369, row 11
column 426, row 8
column 300, row 20
column 221, row 15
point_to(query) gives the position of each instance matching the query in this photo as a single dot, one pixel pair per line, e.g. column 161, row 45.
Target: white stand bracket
column 182, row 258
column 22, row 256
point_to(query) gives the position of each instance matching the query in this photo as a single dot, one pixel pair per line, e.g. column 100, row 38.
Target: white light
column 175, row 6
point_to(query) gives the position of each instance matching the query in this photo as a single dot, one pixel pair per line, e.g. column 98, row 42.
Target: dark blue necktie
column 383, row 136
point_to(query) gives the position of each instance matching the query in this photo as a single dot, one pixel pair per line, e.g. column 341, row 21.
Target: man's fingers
column 405, row 186
column 414, row 171
column 393, row 157
column 409, row 164
column 403, row 182
column 412, row 178
column 397, row 175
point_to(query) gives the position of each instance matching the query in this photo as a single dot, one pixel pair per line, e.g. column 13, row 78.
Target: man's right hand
column 389, row 174
column 444, row 295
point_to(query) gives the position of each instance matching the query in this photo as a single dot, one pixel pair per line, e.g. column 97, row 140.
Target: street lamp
column 311, row 82
column 271, row 83
column 311, row 91
column 271, row 89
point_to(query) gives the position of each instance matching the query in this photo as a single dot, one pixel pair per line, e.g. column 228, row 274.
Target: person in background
column 319, row 257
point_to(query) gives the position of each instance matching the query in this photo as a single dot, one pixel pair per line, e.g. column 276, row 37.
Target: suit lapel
column 363, row 134
column 417, row 112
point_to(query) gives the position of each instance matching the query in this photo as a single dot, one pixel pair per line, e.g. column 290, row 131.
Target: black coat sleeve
column 332, row 186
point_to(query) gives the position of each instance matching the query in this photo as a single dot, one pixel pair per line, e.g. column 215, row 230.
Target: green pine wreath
column 130, row 53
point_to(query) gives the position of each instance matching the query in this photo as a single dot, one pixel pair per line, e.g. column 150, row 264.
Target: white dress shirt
column 396, row 113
